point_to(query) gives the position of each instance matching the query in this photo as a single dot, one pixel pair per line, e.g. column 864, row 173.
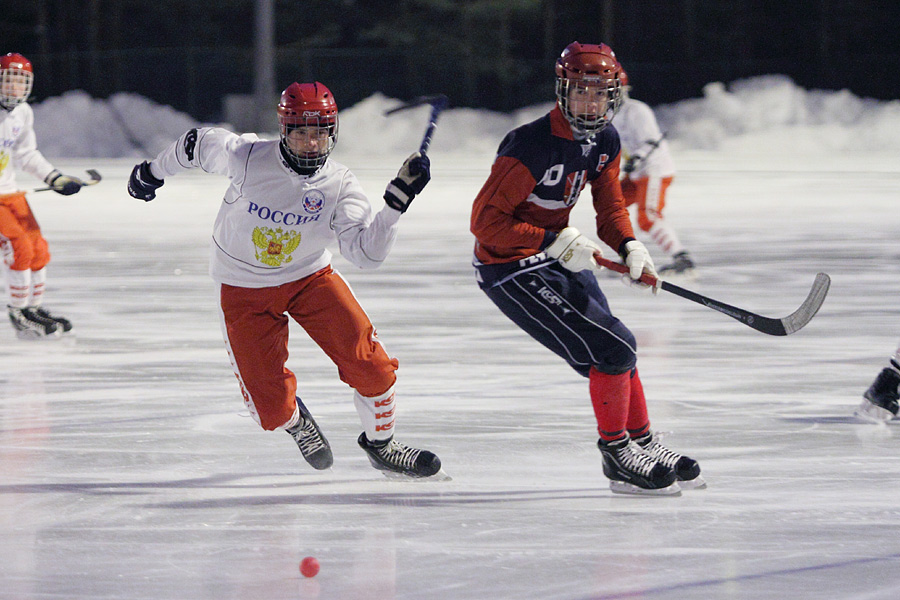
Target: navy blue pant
column 567, row 313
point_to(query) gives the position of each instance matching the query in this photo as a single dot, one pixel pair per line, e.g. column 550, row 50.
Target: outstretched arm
column 207, row 148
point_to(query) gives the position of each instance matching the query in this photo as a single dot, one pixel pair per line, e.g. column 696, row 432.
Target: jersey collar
column 559, row 125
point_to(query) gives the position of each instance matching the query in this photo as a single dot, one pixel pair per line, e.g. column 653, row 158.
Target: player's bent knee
column 644, row 222
column 370, row 379
column 23, row 257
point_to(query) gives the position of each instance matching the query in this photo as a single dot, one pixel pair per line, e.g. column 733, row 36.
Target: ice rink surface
column 130, row 470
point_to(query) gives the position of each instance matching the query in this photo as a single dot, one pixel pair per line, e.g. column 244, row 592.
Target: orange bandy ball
column 309, row 566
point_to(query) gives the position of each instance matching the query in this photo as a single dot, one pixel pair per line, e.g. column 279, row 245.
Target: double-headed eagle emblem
column 274, row 246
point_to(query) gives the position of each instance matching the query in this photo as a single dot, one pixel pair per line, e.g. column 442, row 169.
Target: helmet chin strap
column 582, row 135
column 291, row 161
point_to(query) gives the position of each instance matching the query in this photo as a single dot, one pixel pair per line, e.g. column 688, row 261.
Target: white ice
column 130, row 470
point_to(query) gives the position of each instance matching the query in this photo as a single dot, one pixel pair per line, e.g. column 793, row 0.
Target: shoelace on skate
column 24, row 319
column 661, row 453
column 308, row 439
column 397, row 454
column 633, row 459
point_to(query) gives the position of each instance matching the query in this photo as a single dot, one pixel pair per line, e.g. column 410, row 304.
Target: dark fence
column 195, row 80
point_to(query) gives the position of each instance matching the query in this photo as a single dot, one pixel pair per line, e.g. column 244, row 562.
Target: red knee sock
column 610, row 396
column 638, row 422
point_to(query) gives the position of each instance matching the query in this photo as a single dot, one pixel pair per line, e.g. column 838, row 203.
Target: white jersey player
column 23, row 248
column 286, row 201
column 648, row 170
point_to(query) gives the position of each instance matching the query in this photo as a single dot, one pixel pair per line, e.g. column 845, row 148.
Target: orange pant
column 256, row 334
column 21, row 231
column 649, row 209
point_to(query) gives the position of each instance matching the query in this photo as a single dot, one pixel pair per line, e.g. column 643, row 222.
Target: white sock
column 19, row 283
column 376, row 414
column 666, row 238
column 38, row 281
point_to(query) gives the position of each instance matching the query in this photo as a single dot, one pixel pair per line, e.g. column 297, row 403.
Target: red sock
column 638, row 422
column 610, row 397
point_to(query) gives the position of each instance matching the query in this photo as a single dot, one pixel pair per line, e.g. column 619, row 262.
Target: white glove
column 63, row 184
column 638, row 261
column 574, row 251
column 410, row 181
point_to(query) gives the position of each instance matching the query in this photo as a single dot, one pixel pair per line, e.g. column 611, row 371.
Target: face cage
column 581, row 123
column 10, row 81
column 305, row 160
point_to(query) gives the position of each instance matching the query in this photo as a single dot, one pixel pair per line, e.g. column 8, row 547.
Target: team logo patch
column 313, row 201
column 190, row 142
column 274, row 246
column 574, row 184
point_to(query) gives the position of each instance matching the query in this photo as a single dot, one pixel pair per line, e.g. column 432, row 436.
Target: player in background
column 881, row 402
column 24, row 250
column 540, row 272
column 647, row 172
column 286, row 201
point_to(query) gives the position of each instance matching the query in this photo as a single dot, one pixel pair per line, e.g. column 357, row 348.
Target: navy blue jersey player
column 540, row 272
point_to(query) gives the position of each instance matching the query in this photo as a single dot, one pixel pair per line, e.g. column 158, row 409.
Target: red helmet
column 16, row 78
column 588, row 66
column 305, row 106
column 623, row 78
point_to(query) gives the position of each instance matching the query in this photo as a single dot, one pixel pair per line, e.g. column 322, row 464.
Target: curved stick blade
column 803, row 315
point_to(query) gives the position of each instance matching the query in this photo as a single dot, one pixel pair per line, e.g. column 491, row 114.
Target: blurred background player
column 881, row 402
column 647, row 172
column 24, row 249
column 540, row 272
column 286, row 201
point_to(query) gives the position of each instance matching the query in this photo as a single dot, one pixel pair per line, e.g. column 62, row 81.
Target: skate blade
column 321, row 467
column 697, row 483
column 394, row 476
column 873, row 413
column 620, row 487
column 33, row 336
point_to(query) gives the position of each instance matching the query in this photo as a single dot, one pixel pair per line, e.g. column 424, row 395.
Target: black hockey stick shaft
column 438, row 104
column 436, row 109
column 767, row 325
column 94, row 179
column 654, row 144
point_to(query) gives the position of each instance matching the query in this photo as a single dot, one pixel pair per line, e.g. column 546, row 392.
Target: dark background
column 495, row 54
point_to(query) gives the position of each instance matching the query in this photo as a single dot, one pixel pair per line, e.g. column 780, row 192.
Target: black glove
column 630, row 164
column 63, row 184
column 411, row 180
column 142, row 184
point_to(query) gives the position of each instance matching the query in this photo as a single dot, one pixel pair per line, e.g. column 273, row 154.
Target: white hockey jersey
column 274, row 225
column 639, row 132
column 18, row 148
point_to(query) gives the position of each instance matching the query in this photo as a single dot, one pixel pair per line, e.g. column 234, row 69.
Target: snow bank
column 768, row 110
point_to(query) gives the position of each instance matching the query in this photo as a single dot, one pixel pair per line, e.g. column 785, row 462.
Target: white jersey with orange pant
column 645, row 147
column 269, row 256
column 23, row 247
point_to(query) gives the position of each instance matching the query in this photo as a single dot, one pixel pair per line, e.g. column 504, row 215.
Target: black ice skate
column 687, row 471
column 65, row 326
column 681, row 267
column 30, row 325
column 394, row 458
column 309, row 438
column 880, row 402
column 631, row 471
